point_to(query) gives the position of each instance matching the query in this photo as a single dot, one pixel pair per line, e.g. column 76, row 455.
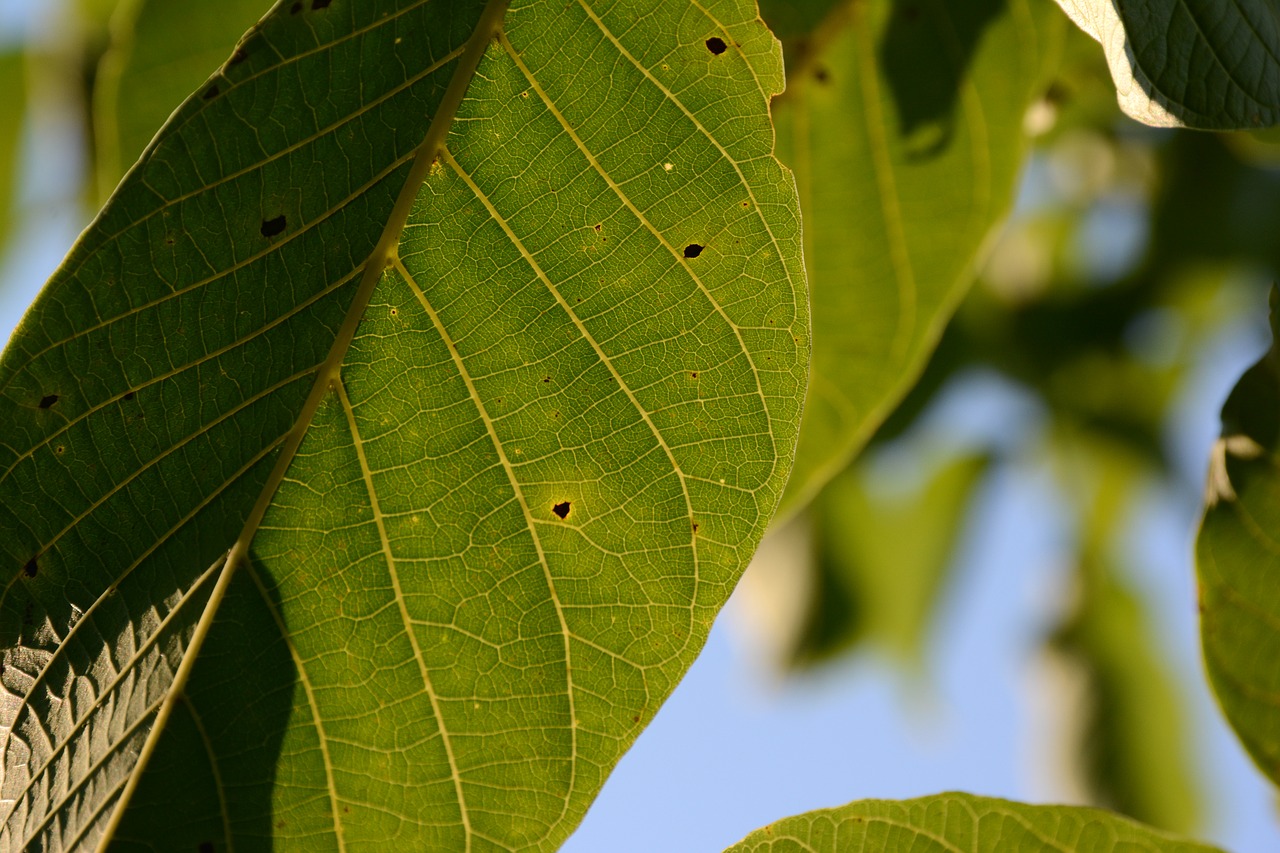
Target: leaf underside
column 1194, row 63
column 1238, row 561
column 402, row 534
column 961, row 823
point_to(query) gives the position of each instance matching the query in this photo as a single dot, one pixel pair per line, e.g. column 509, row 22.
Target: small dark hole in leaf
column 320, row 4
column 598, row 227
column 546, row 379
column 716, row 45
column 31, row 569
column 695, row 527
column 561, row 509
column 206, row 847
column 211, row 92
column 60, row 449
column 48, row 400
column 692, row 250
column 821, row 74
column 635, row 719
column 129, row 395
column 272, row 227
column 694, row 374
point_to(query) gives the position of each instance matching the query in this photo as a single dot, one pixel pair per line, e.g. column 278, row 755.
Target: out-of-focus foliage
column 1126, row 257
column 905, row 125
column 13, row 96
column 1238, row 554
column 882, row 559
column 1198, row 63
column 147, row 72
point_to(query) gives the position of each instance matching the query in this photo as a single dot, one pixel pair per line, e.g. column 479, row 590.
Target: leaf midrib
column 487, row 27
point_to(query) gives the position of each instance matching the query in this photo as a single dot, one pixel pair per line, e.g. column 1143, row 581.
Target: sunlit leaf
column 160, row 51
column 376, row 463
column 904, row 124
column 1199, row 63
column 961, row 823
column 1238, row 560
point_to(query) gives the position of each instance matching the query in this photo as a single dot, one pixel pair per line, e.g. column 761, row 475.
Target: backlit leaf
column 961, row 823
column 377, row 461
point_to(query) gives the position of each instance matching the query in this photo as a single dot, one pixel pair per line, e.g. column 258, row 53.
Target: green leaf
column 1238, row 560
column 376, row 463
column 961, row 823
column 1194, row 63
column 1135, row 739
column 881, row 560
column 904, row 126
column 13, row 95
column 160, row 51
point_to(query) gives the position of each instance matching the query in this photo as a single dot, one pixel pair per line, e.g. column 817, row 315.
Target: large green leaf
column 1238, row 560
column 961, row 823
column 904, row 125
column 1198, row 63
column 160, row 51
column 377, row 461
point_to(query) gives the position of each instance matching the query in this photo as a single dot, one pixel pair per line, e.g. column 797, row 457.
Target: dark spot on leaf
column 598, row 226
column 692, row 250
column 695, row 527
column 60, row 449
column 32, row 568
column 394, row 312
column 346, row 809
column 238, row 57
column 320, row 4
column 635, row 719
column 295, row 8
column 211, row 92
column 546, row 379
column 561, row 509
column 694, row 374
column 48, row 400
column 716, row 45
column 821, row 74
column 169, row 241
column 272, row 227
column 129, row 395
column 206, row 847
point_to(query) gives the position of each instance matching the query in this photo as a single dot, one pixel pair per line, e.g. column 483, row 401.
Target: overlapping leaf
column 961, row 823
column 374, row 466
column 1198, row 63
column 904, row 125
column 1238, row 561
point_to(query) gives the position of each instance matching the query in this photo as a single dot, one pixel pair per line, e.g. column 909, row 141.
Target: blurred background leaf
column 905, row 124
column 159, row 53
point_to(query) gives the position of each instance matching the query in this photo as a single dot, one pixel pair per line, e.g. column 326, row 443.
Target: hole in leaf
column 561, row 509
column 272, row 227
column 129, row 395
column 32, row 568
column 716, row 45
column 48, row 400
column 692, row 250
